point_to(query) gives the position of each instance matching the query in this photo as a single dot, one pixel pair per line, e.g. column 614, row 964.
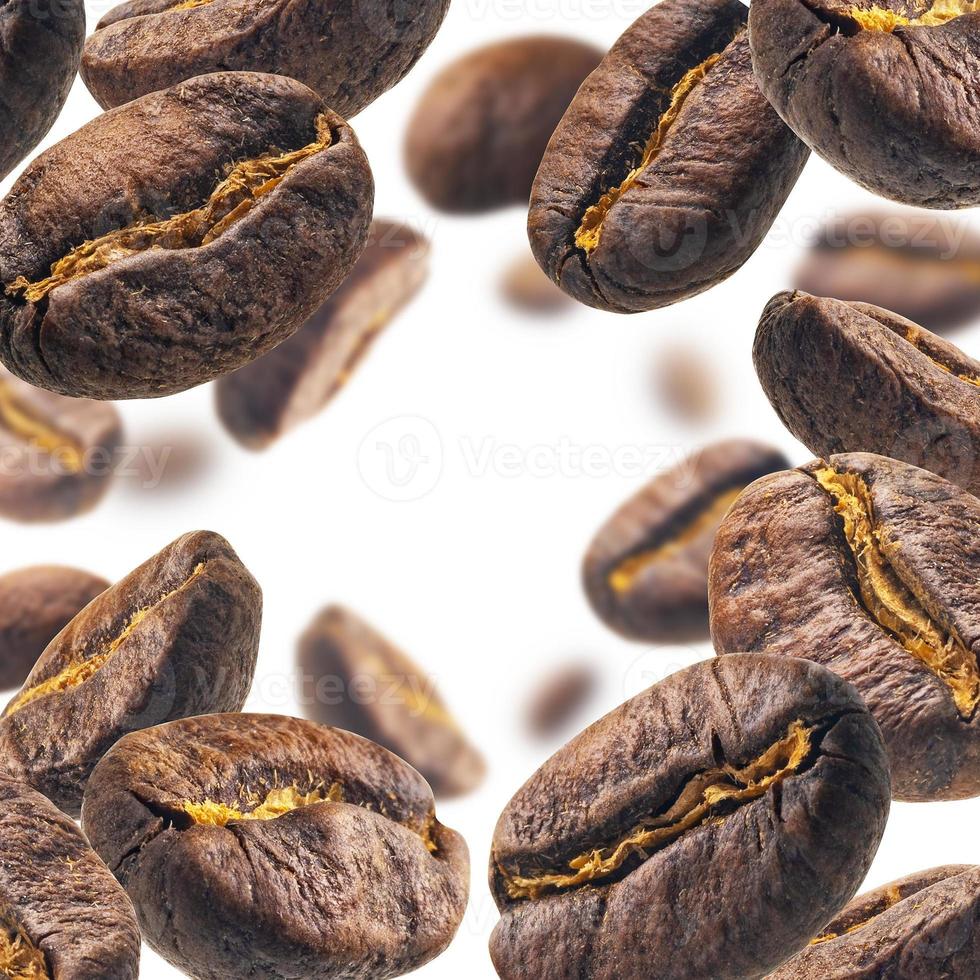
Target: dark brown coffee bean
column 64, row 917
column 56, row 453
column 559, row 697
column 354, row 678
column 853, row 377
column 525, row 287
column 478, row 132
column 916, row 264
column 178, row 636
column 923, row 927
column 35, row 604
column 257, row 845
column 263, row 400
column 178, row 237
column 646, row 571
column 876, row 88
column 42, row 45
column 870, row 567
column 707, row 828
column 668, row 168
column 686, row 385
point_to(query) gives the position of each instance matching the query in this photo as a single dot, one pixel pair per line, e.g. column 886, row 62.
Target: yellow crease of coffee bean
column 696, row 805
column 892, row 897
column 914, row 336
column 20, row 421
column 20, row 959
column 882, row 19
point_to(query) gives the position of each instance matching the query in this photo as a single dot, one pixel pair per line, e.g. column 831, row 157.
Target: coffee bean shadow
column 169, row 464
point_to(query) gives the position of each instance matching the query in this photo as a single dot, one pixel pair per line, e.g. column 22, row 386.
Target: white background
column 478, row 575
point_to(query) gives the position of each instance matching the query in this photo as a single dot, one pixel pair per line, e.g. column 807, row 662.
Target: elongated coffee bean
column 56, row 453
column 263, row 400
column 668, row 168
column 876, row 88
column 364, row 683
column 258, row 845
column 921, row 927
column 35, row 604
column 349, row 51
column 898, row 390
column 38, row 62
column 64, row 915
column 646, row 571
column 178, row 636
column 178, row 237
column 870, row 567
column 756, row 787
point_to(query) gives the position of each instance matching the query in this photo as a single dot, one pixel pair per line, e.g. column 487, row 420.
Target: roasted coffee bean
column 64, row 917
column 686, row 384
column 132, row 269
column 479, row 130
column 668, row 168
column 263, row 400
column 350, row 51
column 923, row 927
column 877, row 88
column 870, row 567
column 525, row 287
column 853, row 377
column 916, row 264
column 35, row 604
column 178, row 636
column 360, row 681
column 56, row 453
column 646, row 571
column 38, row 62
column 258, row 845
column 559, row 697
column 706, row 828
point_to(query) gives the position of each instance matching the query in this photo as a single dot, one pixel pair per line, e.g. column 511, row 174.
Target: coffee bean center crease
column 21, row 422
column 882, row 19
column 20, row 959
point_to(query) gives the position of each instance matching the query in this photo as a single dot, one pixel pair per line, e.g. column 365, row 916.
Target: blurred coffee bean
column 363, row 683
column 479, row 130
column 922, row 266
column 687, row 385
column 559, row 697
column 295, row 380
column 35, row 603
column 525, row 287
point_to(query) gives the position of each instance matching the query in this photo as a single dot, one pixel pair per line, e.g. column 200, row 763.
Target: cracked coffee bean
column 57, row 453
column 62, row 914
column 178, row 636
column 478, row 132
column 292, row 383
column 917, row 396
column 920, row 266
column 258, row 845
column 38, row 62
column 668, row 168
column 922, row 927
column 646, row 571
column 362, row 682
column 870, row 567
column 178, row 237
column 882, row 89
column 35, row 604
column 756, row 787
column 350, row 51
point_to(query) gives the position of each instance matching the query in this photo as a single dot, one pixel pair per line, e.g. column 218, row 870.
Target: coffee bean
column 876, row 88
column 706, row 828
column 350, row 52
column 646, row 571
column 132, row 269
column 263, row 400
column 38, row 62
column 897, row 390
column 922, row 927
column 362, row 682
column 916, row 264
column 478, row 132
column 558, row 698
column 56, row 453
column 64, row 915
column 687, row 385
column 258, row 845
column 668, row 168
column 178, row 636
column 35, row 604
column 870, row 567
